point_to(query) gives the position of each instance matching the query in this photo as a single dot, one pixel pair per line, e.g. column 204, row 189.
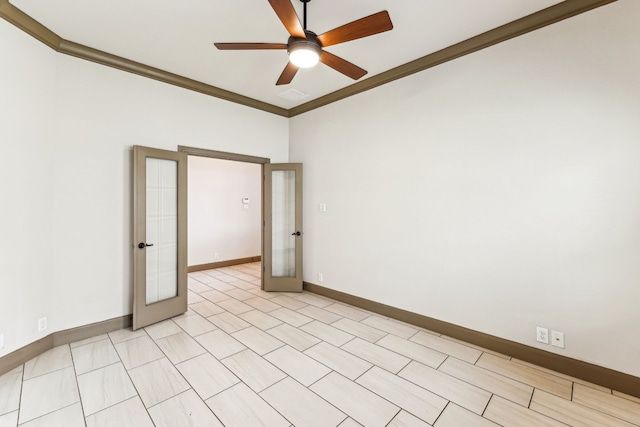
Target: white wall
column 66, row 242
column 218, row 221
column 27, row 97
column 498, row 192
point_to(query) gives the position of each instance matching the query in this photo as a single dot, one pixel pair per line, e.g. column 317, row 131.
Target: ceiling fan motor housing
column 311, row 45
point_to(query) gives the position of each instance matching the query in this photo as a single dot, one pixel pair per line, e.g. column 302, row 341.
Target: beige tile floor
column 244, row 357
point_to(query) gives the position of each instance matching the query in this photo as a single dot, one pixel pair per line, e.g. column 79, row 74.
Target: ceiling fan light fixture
column 304, row 53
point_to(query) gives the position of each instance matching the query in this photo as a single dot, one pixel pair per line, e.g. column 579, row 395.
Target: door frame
column 223, row 155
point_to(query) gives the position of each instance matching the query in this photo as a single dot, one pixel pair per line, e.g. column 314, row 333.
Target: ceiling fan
column 305, row 48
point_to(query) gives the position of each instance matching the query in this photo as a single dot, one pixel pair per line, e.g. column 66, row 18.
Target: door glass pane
column 162, row 230
column 283, row 205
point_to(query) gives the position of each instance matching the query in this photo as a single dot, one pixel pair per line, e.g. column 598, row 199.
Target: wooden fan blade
column 287, row 75
column 249, row 46
column 364, row 27
column 341, row 65
column 287, row 14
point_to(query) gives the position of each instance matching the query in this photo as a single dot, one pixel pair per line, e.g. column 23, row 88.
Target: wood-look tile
column 293, row 336
column 297, row 365
column 69, row 416
column 257, row 340
column 10, row 387
column 180, row 347
column 417, row 400
column 215, row 296
column 379, row 356
column 105, row 387
column 206, row 309
column 455, row 416
column 449, row 347
column 314, row 300
column 193, row 298
column 291, row 317
column 319, row 314
column 162, row 329
column 394, row 327
column 301, row 406
column 263, row 294
column 221, row 286
column 260, row 320
column 125, row 335
column 572, row 413
column 138, row 351
column 93, row 356
column 37, row 398
column 228, row 322
column 234, row 306
column 88, row 341
column 197, row 287
column 626, row 396
column 253, row 370
column 288, row 302
column 506, row 413
column 566, row 377
column 185, row 409
column 405, row 419
column 51, row 360
column 464, row 394
column 534, row 377
column 512, row 390
column 607, row 403
column 359, row 329
column 220, row 344
column 240, row 294
column 130, row 412
column 348, row 311
column 350, row 422
column 9, row 419
column 413, row 350
column 327, row 333
column 187, row 313
column 262, row 304
column 339, row 360
column 362, row 405
column 239, row 406
column 207, row 375
column 157, row 381
column 242, row 284
column 195, row 325
column 477, row 347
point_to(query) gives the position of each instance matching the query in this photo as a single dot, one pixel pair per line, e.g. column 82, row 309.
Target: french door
column 282, row 236
column 160, row 235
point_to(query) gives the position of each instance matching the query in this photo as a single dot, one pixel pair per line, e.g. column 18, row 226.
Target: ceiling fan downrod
column 304, row 17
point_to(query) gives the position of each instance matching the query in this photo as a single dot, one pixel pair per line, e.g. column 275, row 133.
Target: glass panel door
column 282, row 254
column 160, row 269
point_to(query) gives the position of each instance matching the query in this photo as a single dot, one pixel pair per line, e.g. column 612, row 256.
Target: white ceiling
column 178, row 37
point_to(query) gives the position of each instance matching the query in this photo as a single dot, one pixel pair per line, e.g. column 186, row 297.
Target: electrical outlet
column 1, row 341
column 557, row 339
column 42, row 324
column 322, row 207
column 320, row 277
column 542, row 335
column 216, row 255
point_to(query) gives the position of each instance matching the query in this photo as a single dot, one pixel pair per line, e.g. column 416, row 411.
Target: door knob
column 297, row 233
column 143, row 245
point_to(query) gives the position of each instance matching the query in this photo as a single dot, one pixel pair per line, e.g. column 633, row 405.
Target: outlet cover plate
column 542, row 335
column 1, row 341
column 42, row 324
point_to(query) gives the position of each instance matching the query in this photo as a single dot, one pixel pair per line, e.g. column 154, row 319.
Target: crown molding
column 537, row 20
